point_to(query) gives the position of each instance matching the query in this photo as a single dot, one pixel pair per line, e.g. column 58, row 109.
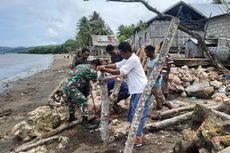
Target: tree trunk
column 178, row 119
column 104, row 124
column 166, row 114
column 152, row 79
column 38, row 143
column 59, row 130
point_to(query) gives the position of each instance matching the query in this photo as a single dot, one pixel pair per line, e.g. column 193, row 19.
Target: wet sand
column 29, row 93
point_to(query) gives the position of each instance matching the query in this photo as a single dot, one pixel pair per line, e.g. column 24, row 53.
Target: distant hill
column 12, row 49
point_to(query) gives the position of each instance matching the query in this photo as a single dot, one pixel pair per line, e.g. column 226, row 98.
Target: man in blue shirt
column 156, row 91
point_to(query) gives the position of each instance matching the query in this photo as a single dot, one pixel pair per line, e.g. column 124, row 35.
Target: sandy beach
column 29, row 93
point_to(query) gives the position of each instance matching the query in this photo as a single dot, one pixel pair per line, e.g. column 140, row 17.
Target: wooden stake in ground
column 104, row 124
column 152, row 78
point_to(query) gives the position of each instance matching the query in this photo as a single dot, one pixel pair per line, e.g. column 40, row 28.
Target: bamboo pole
column 153, row 76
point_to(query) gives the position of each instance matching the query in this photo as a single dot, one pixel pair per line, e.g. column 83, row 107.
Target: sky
column 42, row 22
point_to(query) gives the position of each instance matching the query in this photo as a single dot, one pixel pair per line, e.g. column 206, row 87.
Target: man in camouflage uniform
column 75, row 87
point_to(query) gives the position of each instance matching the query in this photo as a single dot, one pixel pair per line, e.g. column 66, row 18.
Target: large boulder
column 200, row 90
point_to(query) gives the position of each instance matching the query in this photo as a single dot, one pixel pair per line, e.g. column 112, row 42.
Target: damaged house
column 211, row 21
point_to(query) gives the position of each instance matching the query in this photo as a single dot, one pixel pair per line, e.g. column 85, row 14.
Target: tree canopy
column 125, row 31
column 69, row 46
column 92, row 25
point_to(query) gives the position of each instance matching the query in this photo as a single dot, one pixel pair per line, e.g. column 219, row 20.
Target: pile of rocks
column 197, row 82
column 41, row 120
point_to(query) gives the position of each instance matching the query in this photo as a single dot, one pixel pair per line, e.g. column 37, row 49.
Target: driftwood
column 153, row 76
column 175, row 111
column 59, row 129
column 5, row 112
column 210, row 134
column 178, row 119
column 38, row 143
column 105, row 108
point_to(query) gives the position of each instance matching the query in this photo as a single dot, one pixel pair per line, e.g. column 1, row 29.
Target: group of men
column 126, row 64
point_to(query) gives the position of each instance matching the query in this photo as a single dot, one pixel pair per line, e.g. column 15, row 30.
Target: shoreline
column 28, row 94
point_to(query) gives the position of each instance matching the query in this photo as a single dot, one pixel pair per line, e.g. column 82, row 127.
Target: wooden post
column 152, row 78
column 104, row 124
column 116, row 89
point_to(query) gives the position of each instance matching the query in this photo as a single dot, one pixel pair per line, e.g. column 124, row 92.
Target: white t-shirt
column 134, row 71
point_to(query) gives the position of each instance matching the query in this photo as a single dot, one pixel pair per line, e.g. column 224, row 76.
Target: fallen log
column 171, row 112
column 64, row 127
column 59, row 129
column 209, row 135
column 178, row 119
column 38, row 143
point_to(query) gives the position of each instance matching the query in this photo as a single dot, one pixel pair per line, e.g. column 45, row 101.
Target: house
column 208, row 20
column 101, row 41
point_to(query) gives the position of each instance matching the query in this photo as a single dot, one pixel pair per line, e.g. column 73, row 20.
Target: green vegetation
column 124, row 32
column 93, row 25
column 69, row 46
column 86, row 26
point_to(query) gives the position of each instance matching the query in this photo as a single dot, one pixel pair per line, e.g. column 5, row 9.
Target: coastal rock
column 219, row 97
column 216, row 84
column 41, row 120
column 25, row 130
column 201, row 90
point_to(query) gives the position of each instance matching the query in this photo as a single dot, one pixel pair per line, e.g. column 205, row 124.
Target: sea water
column 14, row 67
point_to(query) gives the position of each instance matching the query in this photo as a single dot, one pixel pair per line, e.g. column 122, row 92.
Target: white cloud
column 42, row 22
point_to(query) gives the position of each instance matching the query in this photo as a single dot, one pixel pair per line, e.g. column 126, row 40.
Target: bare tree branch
column 145, row 4
column 212, row 58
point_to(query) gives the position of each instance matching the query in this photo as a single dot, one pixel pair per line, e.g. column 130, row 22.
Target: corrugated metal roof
column 204, row 9
column 209, row 9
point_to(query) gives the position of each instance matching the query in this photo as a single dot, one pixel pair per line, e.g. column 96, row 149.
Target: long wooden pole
column 152, row 78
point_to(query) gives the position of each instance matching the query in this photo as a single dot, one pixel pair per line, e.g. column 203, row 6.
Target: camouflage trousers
column 76, row 99
column 159, row 96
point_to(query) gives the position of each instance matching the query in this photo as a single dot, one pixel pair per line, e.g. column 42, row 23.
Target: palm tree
column 93, row 25
column 98, row 25
column 84, row 33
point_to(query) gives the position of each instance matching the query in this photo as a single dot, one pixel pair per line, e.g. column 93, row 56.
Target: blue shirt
column 152, row 63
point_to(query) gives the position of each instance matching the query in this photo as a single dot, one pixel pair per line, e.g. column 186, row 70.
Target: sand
column 29, row 93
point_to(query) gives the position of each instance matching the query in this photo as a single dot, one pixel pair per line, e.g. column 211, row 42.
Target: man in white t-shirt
column 131, row 68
